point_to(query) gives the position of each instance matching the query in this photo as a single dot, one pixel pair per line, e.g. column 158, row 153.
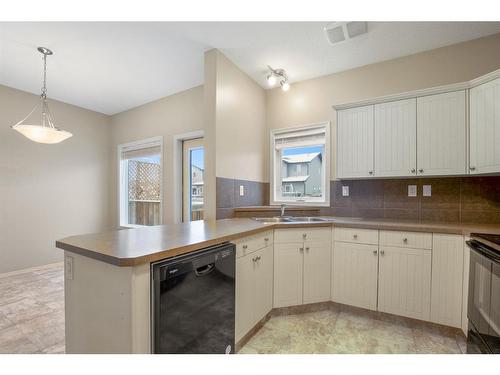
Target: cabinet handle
column 375, row 252
column 304, row 235
column 472, row 168
column 301, row 249
column 382, row 252
column 355, row 236
column 266, row 239
column 413, row 170
column 370, row 172
column 307, row 249
column 405, row 240
column 254, row 259
column 245, row 247
column 421, row 171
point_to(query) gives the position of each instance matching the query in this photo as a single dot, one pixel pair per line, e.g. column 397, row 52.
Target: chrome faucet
column 283, row 206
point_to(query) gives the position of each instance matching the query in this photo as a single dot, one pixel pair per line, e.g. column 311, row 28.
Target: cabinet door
column 396, row 138
column 245, row 295
column 447, row 283
column 355, row 142
column 485, row 128
column 288, row 274
column 263, row 283
column 405, row 282
column 441, row 130
column 317, row 271
column 354, row 274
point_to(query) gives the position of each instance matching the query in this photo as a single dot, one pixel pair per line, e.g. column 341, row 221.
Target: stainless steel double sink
column 291, row 219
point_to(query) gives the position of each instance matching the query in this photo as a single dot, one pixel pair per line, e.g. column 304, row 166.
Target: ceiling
column 110, row 67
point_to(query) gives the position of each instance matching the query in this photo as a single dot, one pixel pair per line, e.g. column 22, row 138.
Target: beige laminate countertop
column 129, row 247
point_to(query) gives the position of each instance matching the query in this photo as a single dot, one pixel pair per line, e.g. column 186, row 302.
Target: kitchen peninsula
column 108, row 281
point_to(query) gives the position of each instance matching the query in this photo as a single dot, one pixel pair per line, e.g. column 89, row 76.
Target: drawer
column 415, row 240
column 248, row 245
column 365, row 236
column 302, row 234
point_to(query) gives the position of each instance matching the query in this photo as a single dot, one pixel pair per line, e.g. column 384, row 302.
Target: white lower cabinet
column 288, row 274
column 254, row 289
column 317, row 272
column 354, row 274
column 405, row 281
column 447, row 279
column 302, row 268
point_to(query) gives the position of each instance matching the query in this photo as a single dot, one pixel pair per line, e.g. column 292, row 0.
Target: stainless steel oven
column 484, row 294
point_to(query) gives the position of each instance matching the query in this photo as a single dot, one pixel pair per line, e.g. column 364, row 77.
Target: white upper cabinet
column 396, row 138
column 485, row 128
column 355, row 142
column 441, row 130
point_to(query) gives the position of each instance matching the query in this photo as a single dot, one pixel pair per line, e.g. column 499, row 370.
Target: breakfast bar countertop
column 130, row 247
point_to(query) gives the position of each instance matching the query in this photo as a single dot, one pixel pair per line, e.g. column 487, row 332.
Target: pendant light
column 45, row 131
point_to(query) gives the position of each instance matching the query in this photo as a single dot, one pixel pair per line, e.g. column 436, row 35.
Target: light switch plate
column 412, row 190
column 345, row 191
column 242, row 190
column 68, row 267
column 427, row 190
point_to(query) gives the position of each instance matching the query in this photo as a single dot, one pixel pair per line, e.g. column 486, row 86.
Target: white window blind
column 142, row 152
column 300, row 138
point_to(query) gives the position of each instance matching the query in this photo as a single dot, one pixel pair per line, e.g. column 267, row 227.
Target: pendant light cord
column 44, row 88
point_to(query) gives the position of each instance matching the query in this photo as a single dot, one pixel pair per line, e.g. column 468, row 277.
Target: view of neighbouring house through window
column 300, row 165
column 301, row 171
column 197, row 170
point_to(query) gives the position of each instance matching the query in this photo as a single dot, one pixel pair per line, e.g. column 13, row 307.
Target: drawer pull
column 405, row 240
column 266, row 239
column 355, row 236
column 375, row 252
column 304, row 235
column 382, row 252
column 307, row 249
column 245, row 247
column 301, row 249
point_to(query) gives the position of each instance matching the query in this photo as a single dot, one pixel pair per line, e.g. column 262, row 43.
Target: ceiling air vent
column 337, row 32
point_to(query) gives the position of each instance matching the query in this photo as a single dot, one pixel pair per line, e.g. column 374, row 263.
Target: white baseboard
column 31, row 269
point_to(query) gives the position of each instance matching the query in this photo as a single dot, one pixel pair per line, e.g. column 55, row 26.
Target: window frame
column 326, row 165
column 122, row 180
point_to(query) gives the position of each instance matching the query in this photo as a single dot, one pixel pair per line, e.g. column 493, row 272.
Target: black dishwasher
column 193, row 302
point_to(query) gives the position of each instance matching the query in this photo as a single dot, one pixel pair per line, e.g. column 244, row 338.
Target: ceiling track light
column 278, row 74
column 45, row 131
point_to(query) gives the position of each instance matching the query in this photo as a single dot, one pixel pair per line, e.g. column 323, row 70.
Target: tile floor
column 349, row 330
column 32, row 312
column 32, row 321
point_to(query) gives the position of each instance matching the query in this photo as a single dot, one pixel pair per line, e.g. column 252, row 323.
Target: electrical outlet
column 412, row 190
column 345, row 191
column 427, row 190
column 68, row 267
column 242, row 190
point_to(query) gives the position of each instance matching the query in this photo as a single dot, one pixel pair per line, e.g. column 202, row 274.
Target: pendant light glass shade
column 42, row 134
column 46, row 131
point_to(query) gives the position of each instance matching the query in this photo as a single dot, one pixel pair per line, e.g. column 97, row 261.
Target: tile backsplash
column 228, row 195
column 453, row 199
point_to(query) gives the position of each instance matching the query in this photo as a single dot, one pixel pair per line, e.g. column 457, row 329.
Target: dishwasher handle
column 204, row 270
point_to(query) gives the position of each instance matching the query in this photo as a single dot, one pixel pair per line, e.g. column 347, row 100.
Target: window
column 140, row 183
column 300, row 165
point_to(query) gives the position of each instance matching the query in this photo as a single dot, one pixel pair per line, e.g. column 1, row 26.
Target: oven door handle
column 484, row 251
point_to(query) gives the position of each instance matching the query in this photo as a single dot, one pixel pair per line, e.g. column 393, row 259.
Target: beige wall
column 241, row 135
column 209, row 112
column 176, row 114
column 311, row 101
column 49, row 191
